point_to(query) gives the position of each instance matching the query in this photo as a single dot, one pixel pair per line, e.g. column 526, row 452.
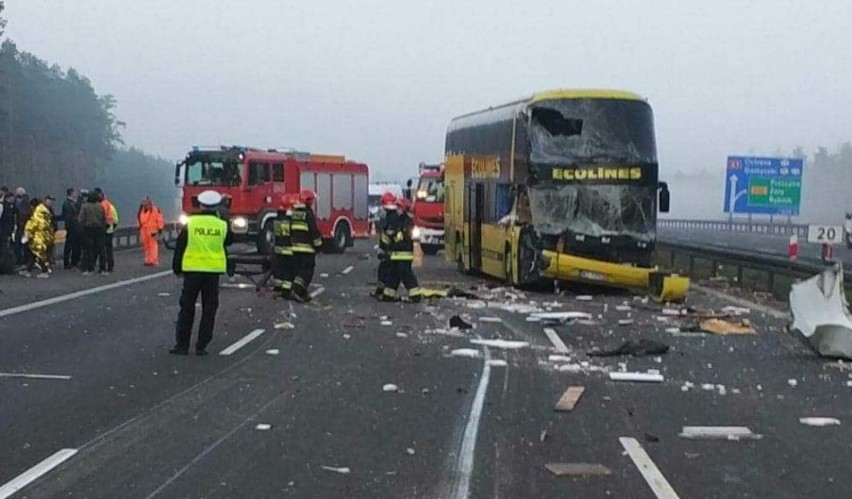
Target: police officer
column 200, row 258
column 282, row 259
column 386, row 227
column 402, row 254
column 306, row 240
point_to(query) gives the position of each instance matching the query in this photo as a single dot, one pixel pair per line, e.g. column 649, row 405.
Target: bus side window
column 258, row 173
column 503, row 204
column 278, row 172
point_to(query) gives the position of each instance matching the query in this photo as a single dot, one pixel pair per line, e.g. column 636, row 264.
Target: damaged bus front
column 579, row 178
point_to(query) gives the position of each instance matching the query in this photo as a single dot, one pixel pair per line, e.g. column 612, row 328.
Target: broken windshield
column 594, row 210
column 212, row 171
column 592, row 131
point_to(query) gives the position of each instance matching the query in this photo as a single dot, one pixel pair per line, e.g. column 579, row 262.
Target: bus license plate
column 592, row 276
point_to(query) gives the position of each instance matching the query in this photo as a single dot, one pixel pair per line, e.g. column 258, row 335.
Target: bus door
column 475, row 207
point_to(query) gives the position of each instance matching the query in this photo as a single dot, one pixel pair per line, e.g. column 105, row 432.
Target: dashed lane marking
column 556, row 340
column 32, row 474
column 658, row 483
column 80, row 294
column 35, row 376
column 245, row 340
column 464, row 468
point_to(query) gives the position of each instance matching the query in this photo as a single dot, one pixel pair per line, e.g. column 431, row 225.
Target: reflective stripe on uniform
column 318, row 242
column 303, row 248
column 284, row 250
column 402, row 256
column 286, row 285
column 389, row 292
column 303, row 226
column 415, row 292
column 299, row 282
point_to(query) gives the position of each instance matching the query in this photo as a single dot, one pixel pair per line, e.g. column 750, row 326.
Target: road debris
column 723, row 327
column 38, row 376
column 503, row 344
column 497, row 363
column 401, row 335
column 284, row 325
column 731, row 310
column 636, row 348
column 410, row 451
column 346, row 336
column 719, row 433
column 164, row 294
column 559, row 316
column 578, row 469
column 262, row 426
column 390, row 387
column 814, row 421
column 492, row 320
column 458, row 323
column 792, row 382
column 623, row 308
column 569, row 399
column 342, row 471
column 584, row 298
column 625, row 322
column 820, row 313
column 543, row 436
column 466, row 352
column 272, row 351
column 638, row 377
column 386, row 323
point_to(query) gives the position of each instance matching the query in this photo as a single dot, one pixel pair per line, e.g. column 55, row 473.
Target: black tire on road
column 266, row 239
column 342, row 236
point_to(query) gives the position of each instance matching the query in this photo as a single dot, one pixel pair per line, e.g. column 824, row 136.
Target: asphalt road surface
column 132, row 421
column 755, row 243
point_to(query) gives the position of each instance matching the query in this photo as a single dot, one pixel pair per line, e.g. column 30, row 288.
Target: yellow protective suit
column 39, row 234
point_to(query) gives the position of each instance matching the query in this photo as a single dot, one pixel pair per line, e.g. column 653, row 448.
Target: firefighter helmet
column 388, row 201
column 286, row 202
column 404, row 204
column 307, row 197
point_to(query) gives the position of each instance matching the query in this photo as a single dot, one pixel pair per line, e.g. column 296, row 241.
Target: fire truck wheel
column 341, row 238
column 266, row 239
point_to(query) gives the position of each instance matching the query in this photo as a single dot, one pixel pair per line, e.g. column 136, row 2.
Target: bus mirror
column 665, row 198
column 408, row 184
column 177, row 173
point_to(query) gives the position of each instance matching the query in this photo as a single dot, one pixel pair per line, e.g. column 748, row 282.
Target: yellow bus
column 561, row 185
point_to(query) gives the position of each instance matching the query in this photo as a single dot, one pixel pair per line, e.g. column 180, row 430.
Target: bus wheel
column 266, row 239
column 341, row 238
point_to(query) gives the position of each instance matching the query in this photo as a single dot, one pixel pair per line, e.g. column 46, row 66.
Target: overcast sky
column 379, row 80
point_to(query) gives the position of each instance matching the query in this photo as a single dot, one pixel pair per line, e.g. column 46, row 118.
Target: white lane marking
column 658, row 483
column 242, row 342
column 79, row 294
column 347, row 270
column 34, row 376
column 320, row 290
column 468, row 447
column 556, row 340
column 35, row 472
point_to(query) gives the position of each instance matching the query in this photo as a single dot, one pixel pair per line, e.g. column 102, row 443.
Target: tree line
column 56, row 132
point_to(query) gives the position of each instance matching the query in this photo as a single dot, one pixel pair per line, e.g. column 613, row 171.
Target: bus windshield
column 431, row 190
column 592, row 131
column 594, row 210
column 212, row 171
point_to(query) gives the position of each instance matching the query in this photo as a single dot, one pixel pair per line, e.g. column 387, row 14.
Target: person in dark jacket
column 93, row 224
column 22, row 216
column 7, row 228
column 73, row 232
column 402, row 256
column 306, row 239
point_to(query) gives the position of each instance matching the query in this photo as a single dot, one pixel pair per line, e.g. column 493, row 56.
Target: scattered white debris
column 466, row 352
column 559, row 358
column 504, row 344
column 708, row 387
column 625, row 322
column 493, row 320
column 670, row 311
column 759, row 387
column 263, row 426
column 673, row 330
column 390, row 387
column 584, row 298
column 662, row 318
column 813, row 421
column 719, row 433
column 410, row 451
column 658, row 360
column 731, row 310
column 346, row 336
column 401, row 335
column 559, row 316
column 653, row 371
column 584, row 364
column 497, row 363
column 164, row 294
column 272, row 351
column 623, row 308
column 849, row 383
column 387, row 323
column 792, row 382
column 342, row 471
column 735, row 391
column 684, row 388
column 323, row 275
column 347, row 270
column 639, row 377
column 285, row 325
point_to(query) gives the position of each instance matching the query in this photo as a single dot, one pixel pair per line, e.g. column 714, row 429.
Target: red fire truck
column 253, row 180
column 429, row 208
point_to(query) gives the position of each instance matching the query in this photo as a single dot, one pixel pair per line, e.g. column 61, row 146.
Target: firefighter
column 402, row 254
column 306, row 239
column 386, row 227
column 200, row 258
column 282, row 263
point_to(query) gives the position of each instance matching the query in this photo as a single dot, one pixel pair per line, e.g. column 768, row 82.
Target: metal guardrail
column 760, row 271
column 765, row 228
column 127, row 237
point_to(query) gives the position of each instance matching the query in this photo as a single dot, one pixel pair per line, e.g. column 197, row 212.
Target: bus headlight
column 416, row 232
column 239, row 224
column 183, row 219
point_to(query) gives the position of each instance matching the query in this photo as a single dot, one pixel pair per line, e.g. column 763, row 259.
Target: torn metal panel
column 821, row 313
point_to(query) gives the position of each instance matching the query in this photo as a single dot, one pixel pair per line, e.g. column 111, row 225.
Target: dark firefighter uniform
column 401, row 260
column 306, row 239
column 200, row 257
column 283, row 253
column 386, row 227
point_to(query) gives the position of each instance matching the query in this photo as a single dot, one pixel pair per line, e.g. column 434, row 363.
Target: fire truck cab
column 428, row 208
column 253, row 180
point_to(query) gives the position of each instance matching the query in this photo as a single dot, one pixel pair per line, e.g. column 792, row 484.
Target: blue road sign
column 764, row 186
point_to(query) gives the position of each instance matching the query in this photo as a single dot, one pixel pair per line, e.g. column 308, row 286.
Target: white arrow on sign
column 733, row 196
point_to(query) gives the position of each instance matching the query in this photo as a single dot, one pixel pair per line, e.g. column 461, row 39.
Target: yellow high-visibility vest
column 205, row 245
